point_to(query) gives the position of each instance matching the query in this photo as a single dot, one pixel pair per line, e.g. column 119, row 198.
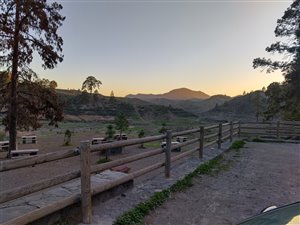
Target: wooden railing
column 205, row 136
column 280, row 130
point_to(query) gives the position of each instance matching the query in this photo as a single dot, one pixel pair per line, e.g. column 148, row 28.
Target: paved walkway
column 262, row 174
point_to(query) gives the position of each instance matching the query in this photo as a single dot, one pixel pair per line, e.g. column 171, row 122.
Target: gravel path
column 145, row 186
column 262, row 174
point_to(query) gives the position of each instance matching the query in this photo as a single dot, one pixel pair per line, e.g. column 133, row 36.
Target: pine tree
column 27, row 26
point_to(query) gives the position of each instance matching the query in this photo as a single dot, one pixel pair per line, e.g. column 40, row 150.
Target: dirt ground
column 260, row 175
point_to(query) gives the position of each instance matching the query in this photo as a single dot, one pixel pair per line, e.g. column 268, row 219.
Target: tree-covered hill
column 248, row 106
column 83, row 103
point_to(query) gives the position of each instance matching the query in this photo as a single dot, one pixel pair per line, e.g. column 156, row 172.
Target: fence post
column 201, row 142
column 277, row 129
column 220, row 135
column 86, row 197
column 239, row 129
column 168, row 153
column 231, row 131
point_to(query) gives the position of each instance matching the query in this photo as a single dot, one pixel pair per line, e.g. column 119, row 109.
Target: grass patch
column 103, row 160
column 256, row 139
column 152, row 145
column 237, row 144
column 136, row 215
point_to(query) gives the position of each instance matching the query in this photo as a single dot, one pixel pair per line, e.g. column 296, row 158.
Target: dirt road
column 260, row 175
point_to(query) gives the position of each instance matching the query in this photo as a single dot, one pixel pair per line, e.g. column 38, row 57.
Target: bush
column 237, row 144
column 67, row 138
column 2, row 136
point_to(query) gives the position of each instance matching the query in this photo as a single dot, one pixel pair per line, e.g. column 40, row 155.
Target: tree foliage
column 121, row 123
column 36, row 98
column 288, row 29
column 163, row 128
column 110, row 131
column 27, row 27
column 91, row 83
column 141, row 135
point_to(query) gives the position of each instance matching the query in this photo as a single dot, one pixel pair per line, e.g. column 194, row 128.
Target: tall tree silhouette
column 288, row 28
column 91, row 83
column 27, row 26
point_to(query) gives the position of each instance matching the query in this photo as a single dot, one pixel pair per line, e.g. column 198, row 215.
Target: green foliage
column 103, row 160
column 163, row 128
column 67, row 138
column 276, row 100
column 288, row 28
column 36, row 97
column 251, row 104
column 2, row 135
column 28, row 27
column 121, row 122
column 153, row 144
column 110, row 131
column 90, row 83
column 237, row 144
column 257, row 140
column 141, row 135
column 137, row 214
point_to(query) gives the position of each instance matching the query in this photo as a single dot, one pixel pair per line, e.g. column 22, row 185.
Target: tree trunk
column 12, row 121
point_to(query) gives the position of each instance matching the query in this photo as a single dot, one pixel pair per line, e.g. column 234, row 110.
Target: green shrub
column 2, row 136
column 103, row 160
column 237, row 144
column 67, row 138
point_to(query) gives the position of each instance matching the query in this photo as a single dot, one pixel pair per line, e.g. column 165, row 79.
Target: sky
column 156, row 46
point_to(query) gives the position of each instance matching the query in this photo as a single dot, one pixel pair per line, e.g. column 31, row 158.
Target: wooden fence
column 205, row 136
column 286, row 131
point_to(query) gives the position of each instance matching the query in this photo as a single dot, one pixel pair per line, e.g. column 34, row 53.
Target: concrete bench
column 54, row 203
column 16, row 153
column 28, row 139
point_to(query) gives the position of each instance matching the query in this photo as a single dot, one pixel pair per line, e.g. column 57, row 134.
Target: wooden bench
column 16, row 153
column 164, row 145
column 181, row 139
column 29, row 139
column 4, row 145
column 96, row 141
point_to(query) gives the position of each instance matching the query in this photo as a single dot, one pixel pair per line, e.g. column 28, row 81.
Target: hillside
column 240, row 107
column 78, row 104
column 176, row 94
column 195, row 106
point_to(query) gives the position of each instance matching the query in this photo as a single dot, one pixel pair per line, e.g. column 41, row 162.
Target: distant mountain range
column 178, row 103
column 176, row 94
column 195, row 102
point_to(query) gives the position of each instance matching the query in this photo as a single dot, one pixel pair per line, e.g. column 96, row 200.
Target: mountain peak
column 176, row 94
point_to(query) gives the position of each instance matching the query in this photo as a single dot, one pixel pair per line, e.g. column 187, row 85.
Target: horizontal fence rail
column 280, row 130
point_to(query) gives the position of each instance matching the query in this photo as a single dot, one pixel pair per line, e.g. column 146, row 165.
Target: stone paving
column 37, row 201
column 106, row 213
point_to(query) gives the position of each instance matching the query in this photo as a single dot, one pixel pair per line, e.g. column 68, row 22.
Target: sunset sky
column 155, row 46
